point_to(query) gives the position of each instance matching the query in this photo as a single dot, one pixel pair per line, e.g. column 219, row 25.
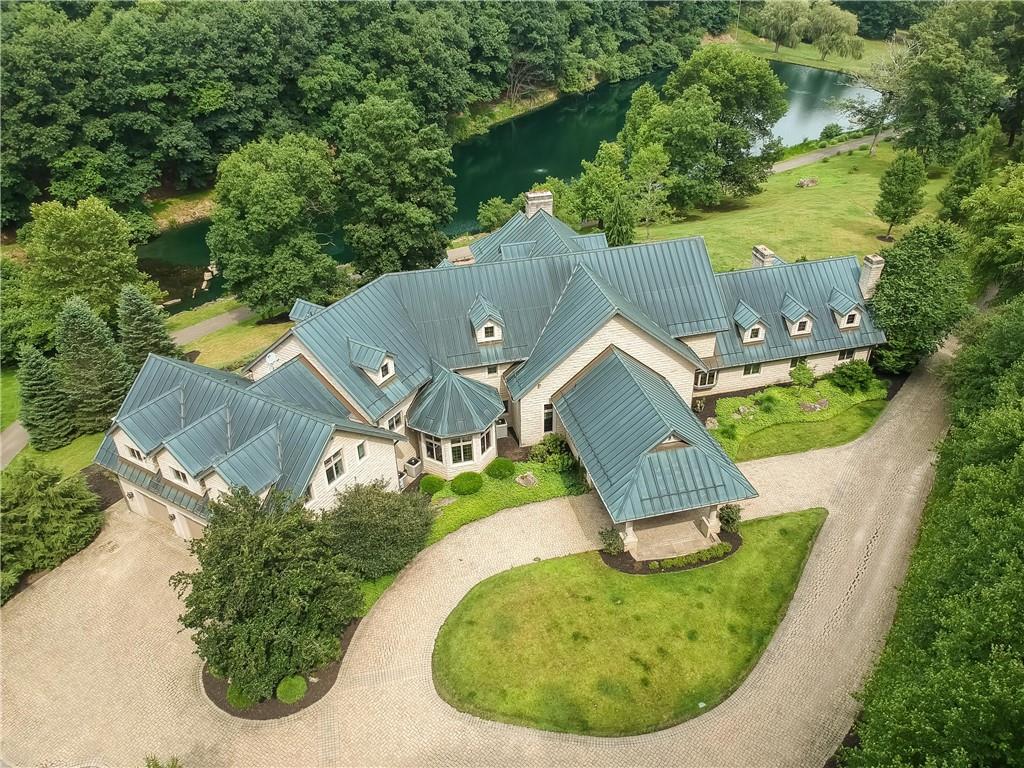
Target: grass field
column 10, row 398
column 832, row 219
column 803, row 436
column 171, row 212
column 203, row 312
column 76, row 455
column 234, row 346
column 573, row 645
column 808, row 56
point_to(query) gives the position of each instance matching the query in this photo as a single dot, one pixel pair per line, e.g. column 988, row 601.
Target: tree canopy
column 833, row 30
column 783, row 21
column 142, row 326
column 994, row 218
column 900, row 190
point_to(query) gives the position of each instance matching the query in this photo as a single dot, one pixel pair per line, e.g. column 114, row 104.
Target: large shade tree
column 783, row 21
column 900, row 190
column 994, row 217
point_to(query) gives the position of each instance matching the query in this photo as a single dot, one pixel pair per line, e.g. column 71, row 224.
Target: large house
column 530, row 330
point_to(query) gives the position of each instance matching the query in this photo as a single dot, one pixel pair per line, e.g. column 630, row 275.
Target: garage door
column 157, row 510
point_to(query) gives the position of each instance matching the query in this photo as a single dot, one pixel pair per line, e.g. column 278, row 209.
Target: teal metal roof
column 746, row 316
column 641, row 444
column 255, row 464
column 765, row 290
column 592, row 242
column 197, row 444
column 366, row 356
column 482, row 311
column 587, row 303
column 520, row 237
column 452, row 405
column 303, row 310
column 294, row 382
column 149, row 423
column 841, row 302
column 792, row 309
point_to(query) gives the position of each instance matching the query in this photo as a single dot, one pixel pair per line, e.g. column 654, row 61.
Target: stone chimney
column 541, row 200
column 763, row 256
column 870, row 272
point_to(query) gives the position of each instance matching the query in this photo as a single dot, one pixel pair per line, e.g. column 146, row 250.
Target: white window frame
column 385, row 371
column 485, row 441
column 801, row 325
column 549, row 418
column 851, row 318
column 754, row 333
column 846, row 355
column 135, row 453
column 361, row 450
column 432, row 445
column 334, row 465
column 489, row 332
column 752, row 369
column 492, row 370
column 462, row 444
column 395, row 422
column 179, row 476
column 705, row 379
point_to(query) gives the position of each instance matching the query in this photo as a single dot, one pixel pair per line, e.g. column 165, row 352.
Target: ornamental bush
column 831, row 131
column 854, row 376
column 729, row 516
column 802, row 375
column 238, row 699
column 501, row 468
column 467, row 483
column 375, row 531
column 611, row 541
column 553, row 444
column 431, row 484
column 292, row 689
column 721, row 549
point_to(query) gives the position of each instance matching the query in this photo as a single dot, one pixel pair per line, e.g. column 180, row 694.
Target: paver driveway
column 94, row 672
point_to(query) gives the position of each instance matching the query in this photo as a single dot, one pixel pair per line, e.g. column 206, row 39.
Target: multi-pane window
column 361, row 450
column 334, row 467
column 136, row 454
column 751, row 369
column 705, row 379
column 180, row 476
column 755, row 332
column 796, row 361
column 846, row 354
column 395, row 421
column 462, row 450
column 485, row 442
column 851, row 318
column 432, row 448
column 549, row 418
column 801, row 326
column 491, row 370
column 488, row 331
column 385, row 371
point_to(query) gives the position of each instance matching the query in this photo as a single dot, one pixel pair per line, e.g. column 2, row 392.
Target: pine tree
column 44, row 409
column 142, row 327
column 93, row 372
column 620, row 221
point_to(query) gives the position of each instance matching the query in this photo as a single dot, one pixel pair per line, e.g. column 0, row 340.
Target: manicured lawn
column 773, row 422
column 792, row 221
column 808, row 56
column 184, row 208
column 76, row 455
column 234, row 346
column 804, row 436
column 372, row 590
column 496, row 495
column 573, row 645
column 10, row 397
column 203, row 312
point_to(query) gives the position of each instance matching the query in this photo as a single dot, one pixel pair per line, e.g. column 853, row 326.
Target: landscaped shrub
column 467, row 483
column 727, row 429
column 767, row 401
column 553, row 444
column 501, row 468
column 375, row 531
column 431, row 484
column 822, row 145
column 611, row 541
column 291, row 689
column 238, row 699
column 802, row 375
column 729, row 516
column 720, row 549
column 45, row 519
column 854, row 376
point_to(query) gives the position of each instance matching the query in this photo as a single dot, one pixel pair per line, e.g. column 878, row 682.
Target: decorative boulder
column 804, row 183
column 711, row 423
column 527, row 480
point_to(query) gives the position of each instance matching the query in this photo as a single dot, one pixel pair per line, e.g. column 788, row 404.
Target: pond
column 513, row 156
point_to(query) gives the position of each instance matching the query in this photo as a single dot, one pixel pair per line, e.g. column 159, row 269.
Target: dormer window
column 851, row 319
column 755, row 333
column 486, row 320
column 385, row 371
column 136, row 454
column 801, row 327
column 488, row 331
column 180, row 476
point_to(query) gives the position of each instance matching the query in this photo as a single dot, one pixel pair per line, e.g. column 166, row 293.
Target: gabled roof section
column 303, row 310
column 452, row 405
column 148, row 423
column 592, row 242
column 586, row 304
column 295, row 383
column 366, row 356
column 765, row 290
column 255, row 464
column 792, row 309
column 746, row 316
column 196, row 445
column 538, row 236
column 841, row 302
column 518, row 250
column 619, row 416
column 483, row 310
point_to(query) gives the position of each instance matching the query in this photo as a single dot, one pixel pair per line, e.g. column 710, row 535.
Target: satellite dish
column 272, row 359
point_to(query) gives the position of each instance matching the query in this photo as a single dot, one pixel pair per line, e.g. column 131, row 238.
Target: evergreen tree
column 93, row 372
column 620, row 221
column 900, row 190
column 44, row 409
column 142, row 327
column 970, row 170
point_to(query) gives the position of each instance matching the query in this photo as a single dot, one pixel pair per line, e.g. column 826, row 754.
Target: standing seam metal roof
column 452, row 405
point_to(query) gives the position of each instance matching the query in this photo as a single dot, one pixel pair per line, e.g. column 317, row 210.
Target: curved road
column 94, row 673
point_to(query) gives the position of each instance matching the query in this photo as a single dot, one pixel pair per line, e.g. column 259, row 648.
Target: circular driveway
column 95, row 672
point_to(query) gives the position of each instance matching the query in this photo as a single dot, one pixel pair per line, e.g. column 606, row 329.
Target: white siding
column 378, row 464
column 447, row 469
column 216, row 485
column 153, row 508
column 496, row 380
column 167, row 464
column 285, row 350
column 702, row 345
column 622, row 334
column 732, row 379
column 123, row 443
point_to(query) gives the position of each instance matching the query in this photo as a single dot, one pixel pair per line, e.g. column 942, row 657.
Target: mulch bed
column 850, row 741
column 103, row 483
column 217, row 689
column 625, row 563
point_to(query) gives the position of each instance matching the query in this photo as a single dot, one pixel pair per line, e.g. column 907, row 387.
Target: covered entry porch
column 672, row 535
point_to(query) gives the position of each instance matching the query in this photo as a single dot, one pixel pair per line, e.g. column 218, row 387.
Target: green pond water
column 511, row 158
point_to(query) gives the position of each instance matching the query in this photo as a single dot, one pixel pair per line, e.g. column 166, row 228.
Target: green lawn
column 234, row 346
column 792, row 221
column 573, row 645
column 76, row 455
column 10, row 397
column 807, row 55
column 774, row 423
column 184, row 208
column 203, row 312
column 496, row 495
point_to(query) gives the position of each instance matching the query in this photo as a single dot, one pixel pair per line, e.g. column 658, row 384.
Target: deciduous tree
column 494, row 212
column 900, row 190
column 44, row 408
column 994, row 218
column 783, row 21
column 833, row 30
column 601, row 179
column 648, row 173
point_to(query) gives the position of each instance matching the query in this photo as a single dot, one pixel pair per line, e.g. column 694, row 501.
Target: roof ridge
column 785, row 264
column 275, row 425
column 627, row 362
column 204, row 417
column 146, row 404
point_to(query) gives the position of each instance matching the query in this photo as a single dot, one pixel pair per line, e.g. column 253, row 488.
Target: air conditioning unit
column 413, row 467
column 500, row 429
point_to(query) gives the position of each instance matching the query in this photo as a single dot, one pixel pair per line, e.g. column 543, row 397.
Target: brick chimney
column 541, row 200
column 763, row 256
column 870, row 272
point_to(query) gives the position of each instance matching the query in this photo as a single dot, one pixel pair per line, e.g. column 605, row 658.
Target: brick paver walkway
column 94, row 672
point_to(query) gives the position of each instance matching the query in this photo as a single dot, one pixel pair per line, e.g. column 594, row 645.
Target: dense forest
column 114, row 100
